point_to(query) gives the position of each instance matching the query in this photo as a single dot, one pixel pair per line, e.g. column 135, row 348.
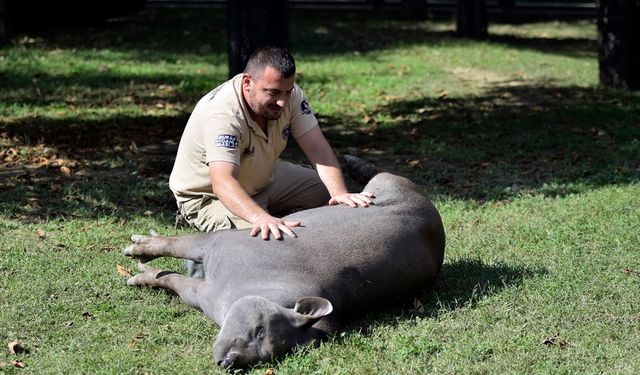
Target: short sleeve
column 302, row 117
column 222, row 140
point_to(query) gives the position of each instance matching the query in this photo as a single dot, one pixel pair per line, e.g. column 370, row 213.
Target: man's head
column 268, row 80
column 276, row 57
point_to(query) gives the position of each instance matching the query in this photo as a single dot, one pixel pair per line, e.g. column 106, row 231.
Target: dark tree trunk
column 619, row 43
column 415, row 9
column 472, row 19
column 506, row 5
column 252, row 24
column 376, row 4
column 4, row 21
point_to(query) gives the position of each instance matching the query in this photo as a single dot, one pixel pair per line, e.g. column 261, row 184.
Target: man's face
column 267, row 94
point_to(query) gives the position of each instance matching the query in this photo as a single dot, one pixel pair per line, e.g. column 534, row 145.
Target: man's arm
column 315, row 146
column 224, row 179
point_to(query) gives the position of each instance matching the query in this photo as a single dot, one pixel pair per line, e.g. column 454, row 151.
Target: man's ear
column 246, row 81
column 309, row 310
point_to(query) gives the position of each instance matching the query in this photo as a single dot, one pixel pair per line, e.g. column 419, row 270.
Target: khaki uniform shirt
column 220, row 129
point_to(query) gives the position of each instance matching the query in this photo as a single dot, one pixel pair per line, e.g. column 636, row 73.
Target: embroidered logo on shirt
column 305, row 107
column 227, row 141
column 285, row 132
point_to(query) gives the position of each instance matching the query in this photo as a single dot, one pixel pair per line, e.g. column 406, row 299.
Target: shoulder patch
column 305, row 107
column 227, row 141
column 286, row 131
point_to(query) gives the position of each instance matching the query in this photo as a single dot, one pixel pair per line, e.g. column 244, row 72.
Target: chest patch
column 285, row 132
column 227, row 141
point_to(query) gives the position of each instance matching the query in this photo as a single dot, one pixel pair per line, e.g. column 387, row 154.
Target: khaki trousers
column 294, row 188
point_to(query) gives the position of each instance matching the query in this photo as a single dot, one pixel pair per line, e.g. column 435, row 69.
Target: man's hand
column 364, row 199
column 269, row 224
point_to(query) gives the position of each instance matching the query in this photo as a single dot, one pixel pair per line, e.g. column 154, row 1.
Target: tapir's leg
column 186, row 287
column 359, row 170
column 147, row 248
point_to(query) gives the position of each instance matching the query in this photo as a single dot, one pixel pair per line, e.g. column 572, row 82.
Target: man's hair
column 276, row 57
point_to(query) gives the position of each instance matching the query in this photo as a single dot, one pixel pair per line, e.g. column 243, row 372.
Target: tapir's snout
column 238, row 355
column 229, row 360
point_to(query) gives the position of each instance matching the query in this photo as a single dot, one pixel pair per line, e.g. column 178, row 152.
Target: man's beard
column 270, row 114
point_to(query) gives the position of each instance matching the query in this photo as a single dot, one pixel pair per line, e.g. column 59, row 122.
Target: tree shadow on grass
column 88, row 169
column 325, row 33
column 461, row 284
column 512, row 140
column 157, row 35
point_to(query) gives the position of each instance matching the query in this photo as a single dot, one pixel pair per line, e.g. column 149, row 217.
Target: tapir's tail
column 359, row 170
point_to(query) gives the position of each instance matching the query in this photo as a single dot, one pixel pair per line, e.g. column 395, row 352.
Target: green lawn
column 534, row 168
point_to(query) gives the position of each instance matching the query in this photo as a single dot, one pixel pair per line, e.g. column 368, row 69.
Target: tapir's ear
column 310, row 309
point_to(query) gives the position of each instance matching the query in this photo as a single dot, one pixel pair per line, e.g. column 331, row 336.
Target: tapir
column 269, row 297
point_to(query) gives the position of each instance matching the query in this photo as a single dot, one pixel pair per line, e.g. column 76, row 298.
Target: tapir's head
column 257, row 330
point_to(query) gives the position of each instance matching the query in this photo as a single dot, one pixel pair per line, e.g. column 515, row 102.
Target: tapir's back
column 367, row 256
column 355, row 257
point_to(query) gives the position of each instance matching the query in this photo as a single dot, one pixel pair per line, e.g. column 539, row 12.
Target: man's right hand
column 269, row 224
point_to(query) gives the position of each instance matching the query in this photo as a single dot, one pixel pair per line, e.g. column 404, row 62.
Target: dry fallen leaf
column 555, row 341
column 88, row 315
column 65, row 170
column 123, row 271
column 270, row 371
column 41, row 233
column 15, row 347
column 628, row 271
column 414, row 163
column 136, row 339
column 18, row 364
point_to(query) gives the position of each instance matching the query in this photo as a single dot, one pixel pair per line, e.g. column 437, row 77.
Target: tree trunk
column 415, row 9
column 376, row 4
column 252, row 24
column 506, row 5
column 619, row 43
column 471, row 19
column 4, row 21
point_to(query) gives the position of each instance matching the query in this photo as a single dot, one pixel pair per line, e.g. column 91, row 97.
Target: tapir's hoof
column 140, row 249
column 145, row 278
column 139, row 238
column 134, row 251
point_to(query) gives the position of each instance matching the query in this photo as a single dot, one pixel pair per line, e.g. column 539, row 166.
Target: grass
column 534, row 168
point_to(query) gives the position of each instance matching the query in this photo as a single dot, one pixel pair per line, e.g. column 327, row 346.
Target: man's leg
column 295, row 188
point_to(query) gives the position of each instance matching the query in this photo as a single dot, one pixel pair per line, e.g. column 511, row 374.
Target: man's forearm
column 236, row 200
column 331, row 175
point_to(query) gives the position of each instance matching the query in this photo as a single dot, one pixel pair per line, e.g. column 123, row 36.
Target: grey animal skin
column 268, row 297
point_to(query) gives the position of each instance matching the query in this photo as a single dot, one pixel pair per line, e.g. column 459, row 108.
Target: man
column 227, row 173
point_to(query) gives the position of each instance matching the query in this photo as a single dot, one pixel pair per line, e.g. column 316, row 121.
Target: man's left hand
column 364, row 199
